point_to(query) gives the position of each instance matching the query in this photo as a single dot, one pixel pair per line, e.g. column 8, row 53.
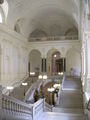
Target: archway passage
column 57, row 63
column 34, row 64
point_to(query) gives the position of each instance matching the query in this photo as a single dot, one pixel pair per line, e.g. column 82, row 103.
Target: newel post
column 43, row 104
column 33, row 113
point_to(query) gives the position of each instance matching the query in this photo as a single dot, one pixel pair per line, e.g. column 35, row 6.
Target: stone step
column 61, row 116
column 68, row 110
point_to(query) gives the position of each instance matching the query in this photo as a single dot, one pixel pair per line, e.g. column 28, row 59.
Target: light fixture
column 1, row 1
column 56, row 85
column 25, row 84
column 45, row 77
column 55, row 55
column 51, row 89
column 40, row 77
column 32, row 73
column 10, row 87
column 60, row 73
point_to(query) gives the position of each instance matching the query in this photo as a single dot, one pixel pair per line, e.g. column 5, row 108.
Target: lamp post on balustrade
column 24, row 84
column 51, row 90
column 56, row 86
column 32, row 74
column 42, row 77
column 61, row 74
column 9, row 88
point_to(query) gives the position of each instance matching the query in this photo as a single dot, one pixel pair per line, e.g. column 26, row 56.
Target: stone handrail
column 72, row 37
column 38, row 108
column 31, row 90
column 16, row 84
column 11, row 108
column 63, row 79
column 47, row 107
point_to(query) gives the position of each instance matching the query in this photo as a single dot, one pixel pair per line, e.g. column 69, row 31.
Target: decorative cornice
column 7, row 30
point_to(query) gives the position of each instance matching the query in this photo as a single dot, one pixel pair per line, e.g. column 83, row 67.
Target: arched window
column 17, row 28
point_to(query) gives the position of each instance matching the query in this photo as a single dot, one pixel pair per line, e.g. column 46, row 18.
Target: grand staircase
column 68, row 107
column 70, row 103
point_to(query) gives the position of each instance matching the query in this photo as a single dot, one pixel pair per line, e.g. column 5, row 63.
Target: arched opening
column 55, row 63
column 17, row 28
column 49, row 56
column 73, row 62
column 34, row 64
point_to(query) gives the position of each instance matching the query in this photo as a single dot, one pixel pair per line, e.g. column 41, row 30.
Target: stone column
column 64, row 64
column 83, row 66
column 87, row 61
column 43, row 65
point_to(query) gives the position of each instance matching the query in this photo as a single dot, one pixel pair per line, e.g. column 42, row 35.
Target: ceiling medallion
column 1, row 1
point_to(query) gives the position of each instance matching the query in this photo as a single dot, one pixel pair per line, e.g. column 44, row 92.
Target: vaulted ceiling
column 52, row 17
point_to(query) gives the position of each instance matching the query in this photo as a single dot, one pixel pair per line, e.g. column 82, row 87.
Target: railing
column 47, row 107
column 13, row 109
column 63, row 79
column 16, row 84
column 74, row 37
column 30, row 92
column 38, row 109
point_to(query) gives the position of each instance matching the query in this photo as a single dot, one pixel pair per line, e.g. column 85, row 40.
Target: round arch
column 73, row 62
column 51, row 54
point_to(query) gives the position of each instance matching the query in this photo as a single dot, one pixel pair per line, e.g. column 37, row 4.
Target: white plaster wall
column 73, row 61
column 35, row 61
column 14, row 57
